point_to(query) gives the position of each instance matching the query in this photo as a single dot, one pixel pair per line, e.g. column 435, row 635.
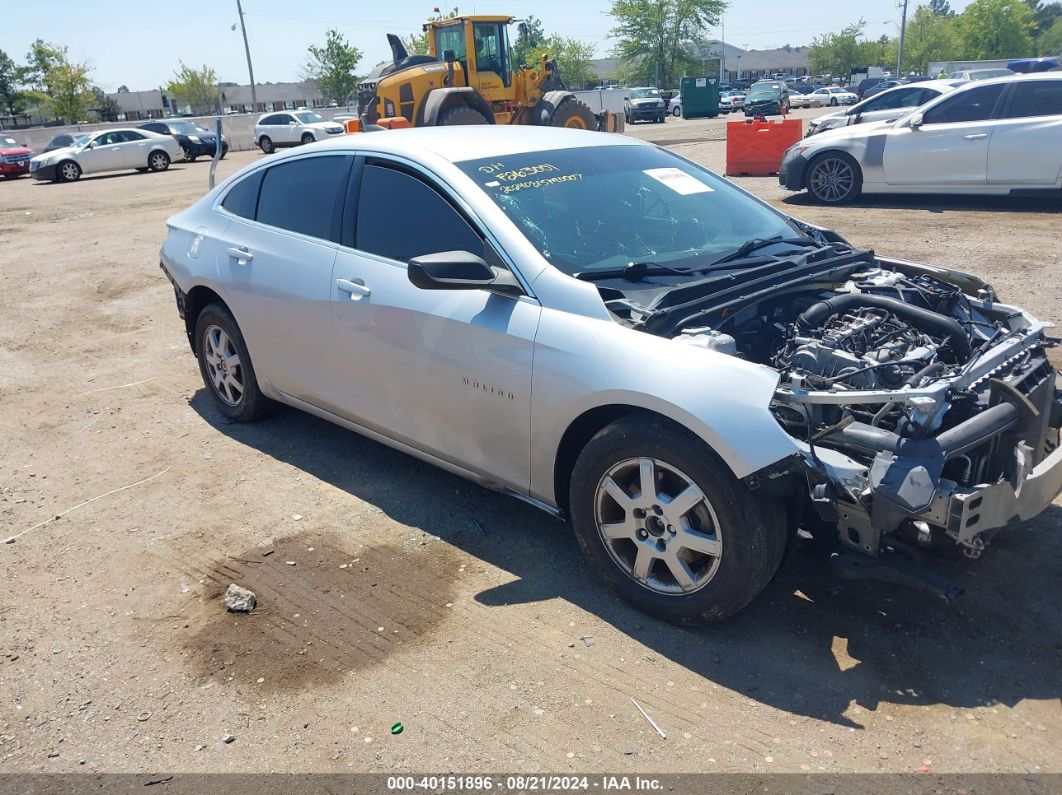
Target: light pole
column 899, row 49
column 247, row 49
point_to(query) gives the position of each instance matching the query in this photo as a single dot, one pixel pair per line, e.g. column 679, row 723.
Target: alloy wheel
column 831, row 179
column 70, row 171
column 223, row 365
column 658, row 525
column 158, row 161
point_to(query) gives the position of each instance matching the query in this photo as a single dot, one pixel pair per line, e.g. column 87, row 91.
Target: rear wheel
column 461, row 115
column 189, row 156
column 158, row 161
column 667, row 525
column 575, row 115
column 834, row 178
column 676, row 112
column 265, row 143
column 307, row 138
column 226, row 366
column 68, row 171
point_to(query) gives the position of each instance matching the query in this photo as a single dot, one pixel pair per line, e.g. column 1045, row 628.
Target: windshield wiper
column 633, row 272
column 757, row 243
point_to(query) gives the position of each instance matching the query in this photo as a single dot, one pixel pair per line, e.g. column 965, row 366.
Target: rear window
column 300, row 195
column 1036, row 98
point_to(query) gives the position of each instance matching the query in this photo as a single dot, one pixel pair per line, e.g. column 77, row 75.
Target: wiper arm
column 756, row 243
column 633, row 272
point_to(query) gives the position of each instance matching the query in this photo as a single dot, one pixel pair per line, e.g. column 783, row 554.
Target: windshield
column 644, row 93
column 81, row 140
column 5, row 141
column 309, row 117
column 764, row 90
column 186, row 128
column 602, row 207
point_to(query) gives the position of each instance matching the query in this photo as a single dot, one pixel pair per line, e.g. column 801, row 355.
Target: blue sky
column 140, row 43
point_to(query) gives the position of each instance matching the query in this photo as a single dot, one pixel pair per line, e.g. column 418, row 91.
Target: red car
column 14, row 158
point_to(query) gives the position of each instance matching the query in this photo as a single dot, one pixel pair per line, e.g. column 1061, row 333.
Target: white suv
column 291, row 128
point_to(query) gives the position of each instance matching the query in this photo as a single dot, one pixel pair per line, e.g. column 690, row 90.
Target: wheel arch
column 195, row 300
column 442, row 99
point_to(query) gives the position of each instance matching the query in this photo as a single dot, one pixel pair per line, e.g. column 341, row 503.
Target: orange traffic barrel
column 755, row 147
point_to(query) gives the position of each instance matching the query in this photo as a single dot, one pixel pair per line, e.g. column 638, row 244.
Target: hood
column 851, row 132
column 63, row 151
column 323, row 125
column 15, row 150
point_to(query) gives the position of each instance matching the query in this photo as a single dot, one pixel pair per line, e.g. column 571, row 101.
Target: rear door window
column 401, row 217
column 1036, row 98
column 977, row 104
column 301, row 195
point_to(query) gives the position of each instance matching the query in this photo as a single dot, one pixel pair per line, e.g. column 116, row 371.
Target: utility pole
column 899, row 53
column 247, row 49
column 722, row 48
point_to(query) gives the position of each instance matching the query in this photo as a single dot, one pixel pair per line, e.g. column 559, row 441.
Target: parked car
column 14, row 158
column 730, row 101
column 883, row 85
column 643, row 104
column 292, row 128
column 194, row 140
column 800, row 97
column 867, row 82
column 886, row 106
column 107, row 150
column 63, row 140
column 675, row 107
column 995, row 136
column 980, row 74
column 708, row 373
column 835, row 95
column 767, row 98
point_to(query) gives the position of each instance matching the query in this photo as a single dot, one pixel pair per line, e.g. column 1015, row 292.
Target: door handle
column 975, row 136
column 242, row 255
column 356, row 288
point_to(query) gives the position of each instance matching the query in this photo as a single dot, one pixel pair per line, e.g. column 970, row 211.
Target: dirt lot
column 417, row 597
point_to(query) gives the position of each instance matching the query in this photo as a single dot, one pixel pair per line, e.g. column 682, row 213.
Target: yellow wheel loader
column 469, row 78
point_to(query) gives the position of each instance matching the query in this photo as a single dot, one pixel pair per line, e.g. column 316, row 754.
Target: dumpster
column 700, row 97
column 755, row 148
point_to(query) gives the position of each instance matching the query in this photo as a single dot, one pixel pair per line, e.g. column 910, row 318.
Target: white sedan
column 798, row 100
column 834, row 95
column 1001, row 136
column 107, row 150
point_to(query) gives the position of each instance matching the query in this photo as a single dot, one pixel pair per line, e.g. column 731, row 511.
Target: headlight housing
column 195, row 139
column 793, row 151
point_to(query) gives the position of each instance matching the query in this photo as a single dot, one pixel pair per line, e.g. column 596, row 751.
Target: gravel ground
column 390, row 591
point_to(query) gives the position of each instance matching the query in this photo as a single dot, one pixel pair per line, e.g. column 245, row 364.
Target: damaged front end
column 927, row 411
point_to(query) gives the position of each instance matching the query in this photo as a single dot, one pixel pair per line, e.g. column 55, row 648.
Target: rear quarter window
column 242, row 198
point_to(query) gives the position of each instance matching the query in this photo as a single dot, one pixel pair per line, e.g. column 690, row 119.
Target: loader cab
column 481, row 46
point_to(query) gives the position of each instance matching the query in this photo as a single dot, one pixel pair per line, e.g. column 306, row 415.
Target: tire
column 307, row 138
column 461, row 115
column 67, row 171
column 676, row 112
column 233, row 386
column 748, row 531
column 834, row 178
column 575, row 115
column 265, row 143
column 223, row 153
column 833, row 102
column 158, row 161
column 188, row 156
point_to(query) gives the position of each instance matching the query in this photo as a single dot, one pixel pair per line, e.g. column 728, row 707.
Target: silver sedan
column 620, row 337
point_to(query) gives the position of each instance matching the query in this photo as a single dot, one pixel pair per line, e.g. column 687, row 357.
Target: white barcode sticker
column 678, row 180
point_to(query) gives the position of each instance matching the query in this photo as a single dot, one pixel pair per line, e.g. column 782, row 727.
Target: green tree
column 1050, row 41
column 332, row 67
column 417, row 43
column 530, row 42
column 941, row 8
column 197, row 88
column 41, row 58
column 106, row 107
column 573, row 59
column 839, row 53
column 12, row 77
column 68, row 87
column 123, row 89
column 996, row 29
column 930, row 37
column 662, row 32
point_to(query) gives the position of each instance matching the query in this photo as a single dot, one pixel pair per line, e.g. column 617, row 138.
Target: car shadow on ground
column 1049, row 204
column 811, row 645
column 112, row 175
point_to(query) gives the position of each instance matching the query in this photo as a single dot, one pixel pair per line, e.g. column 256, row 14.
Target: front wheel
column 189, row 156
column 226, row 366
column 575, row 115
column 833, row 102
column 158, row 161
column 68, row 171
column 265, row 143
column 834, row 178
column 666, row 524
column 307, row 138
column 676, row 112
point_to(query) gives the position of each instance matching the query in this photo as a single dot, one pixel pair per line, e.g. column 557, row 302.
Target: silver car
column 888, row 105
column 616, row 335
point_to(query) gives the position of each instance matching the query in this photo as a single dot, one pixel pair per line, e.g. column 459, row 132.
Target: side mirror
column 459, row 270
column 917, row 120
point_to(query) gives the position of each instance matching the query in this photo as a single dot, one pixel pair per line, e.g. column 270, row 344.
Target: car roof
column 1013, row 78
column 471, row 142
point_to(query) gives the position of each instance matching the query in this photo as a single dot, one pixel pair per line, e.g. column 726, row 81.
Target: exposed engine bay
column 925, row 406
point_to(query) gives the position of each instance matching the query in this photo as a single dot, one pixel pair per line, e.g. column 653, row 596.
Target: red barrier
column 754, row 148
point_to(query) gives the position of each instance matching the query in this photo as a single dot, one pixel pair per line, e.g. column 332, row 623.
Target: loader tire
column 461, row 114
column 575, row 115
